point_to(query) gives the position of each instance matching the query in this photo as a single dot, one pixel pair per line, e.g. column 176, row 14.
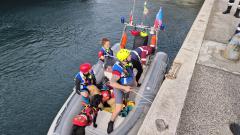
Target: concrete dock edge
column 164, row 114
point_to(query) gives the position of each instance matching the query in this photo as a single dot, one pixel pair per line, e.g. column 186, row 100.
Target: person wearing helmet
column 105, row 50
column 85, row 82
column 139, row 57
column 121, row 81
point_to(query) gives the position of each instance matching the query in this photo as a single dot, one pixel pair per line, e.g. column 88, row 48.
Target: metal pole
column 134, row 1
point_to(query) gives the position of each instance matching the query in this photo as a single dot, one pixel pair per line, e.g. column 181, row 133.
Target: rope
column 142, row 96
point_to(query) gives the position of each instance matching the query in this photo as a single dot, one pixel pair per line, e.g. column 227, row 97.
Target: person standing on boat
column 139, row 57
column 122, row 80
column 105, row 50
column 85, row 82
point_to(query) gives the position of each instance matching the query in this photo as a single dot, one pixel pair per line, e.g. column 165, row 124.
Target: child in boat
column 122, row 80
column 105, row 50
column 85, row 82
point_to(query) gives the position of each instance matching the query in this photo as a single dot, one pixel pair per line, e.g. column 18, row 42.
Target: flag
column 159, row 18
column 145, row 9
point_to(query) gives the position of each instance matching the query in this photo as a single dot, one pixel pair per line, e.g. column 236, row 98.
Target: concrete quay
column 202, row 92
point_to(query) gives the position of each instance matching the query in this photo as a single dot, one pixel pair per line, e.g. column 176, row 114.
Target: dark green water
column 42, row 43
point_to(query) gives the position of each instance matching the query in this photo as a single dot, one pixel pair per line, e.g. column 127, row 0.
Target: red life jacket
column 85, row 118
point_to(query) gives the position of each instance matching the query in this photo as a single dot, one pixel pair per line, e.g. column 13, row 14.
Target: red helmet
column 80, row 120
column 135, row 32
column 85, row 68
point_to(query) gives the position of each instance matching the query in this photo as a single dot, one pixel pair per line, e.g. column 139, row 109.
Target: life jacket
column 85, row 80
column 136, row 54
column 85, row 118
column 89, row 110
column 81, row 120
column 107, row 93
column 141, row 53
column 106, row 52
column 126, row 73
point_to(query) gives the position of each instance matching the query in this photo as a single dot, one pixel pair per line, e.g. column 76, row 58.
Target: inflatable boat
column 151, row 80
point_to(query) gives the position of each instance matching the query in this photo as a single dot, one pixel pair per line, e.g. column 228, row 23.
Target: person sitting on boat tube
column 85, row 82
column 122, row 80
column 139, row 57
column 105, row 50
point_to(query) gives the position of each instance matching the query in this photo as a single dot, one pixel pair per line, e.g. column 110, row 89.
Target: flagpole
column 133, row 9
column 145, row 11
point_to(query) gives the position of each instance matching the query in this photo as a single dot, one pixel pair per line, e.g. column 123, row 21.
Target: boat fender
column 153, row 41
column 123, row 41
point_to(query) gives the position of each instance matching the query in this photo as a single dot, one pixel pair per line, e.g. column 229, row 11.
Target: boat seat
column 102, row 122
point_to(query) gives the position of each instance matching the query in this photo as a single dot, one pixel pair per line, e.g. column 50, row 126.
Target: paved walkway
column 212, row 103
column 204, row 98
column 213, row 98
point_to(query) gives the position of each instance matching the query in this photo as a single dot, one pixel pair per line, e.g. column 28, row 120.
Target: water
column 42, row 44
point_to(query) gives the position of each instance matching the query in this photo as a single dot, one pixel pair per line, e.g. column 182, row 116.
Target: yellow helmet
column 123, row 54
column 143, row 34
